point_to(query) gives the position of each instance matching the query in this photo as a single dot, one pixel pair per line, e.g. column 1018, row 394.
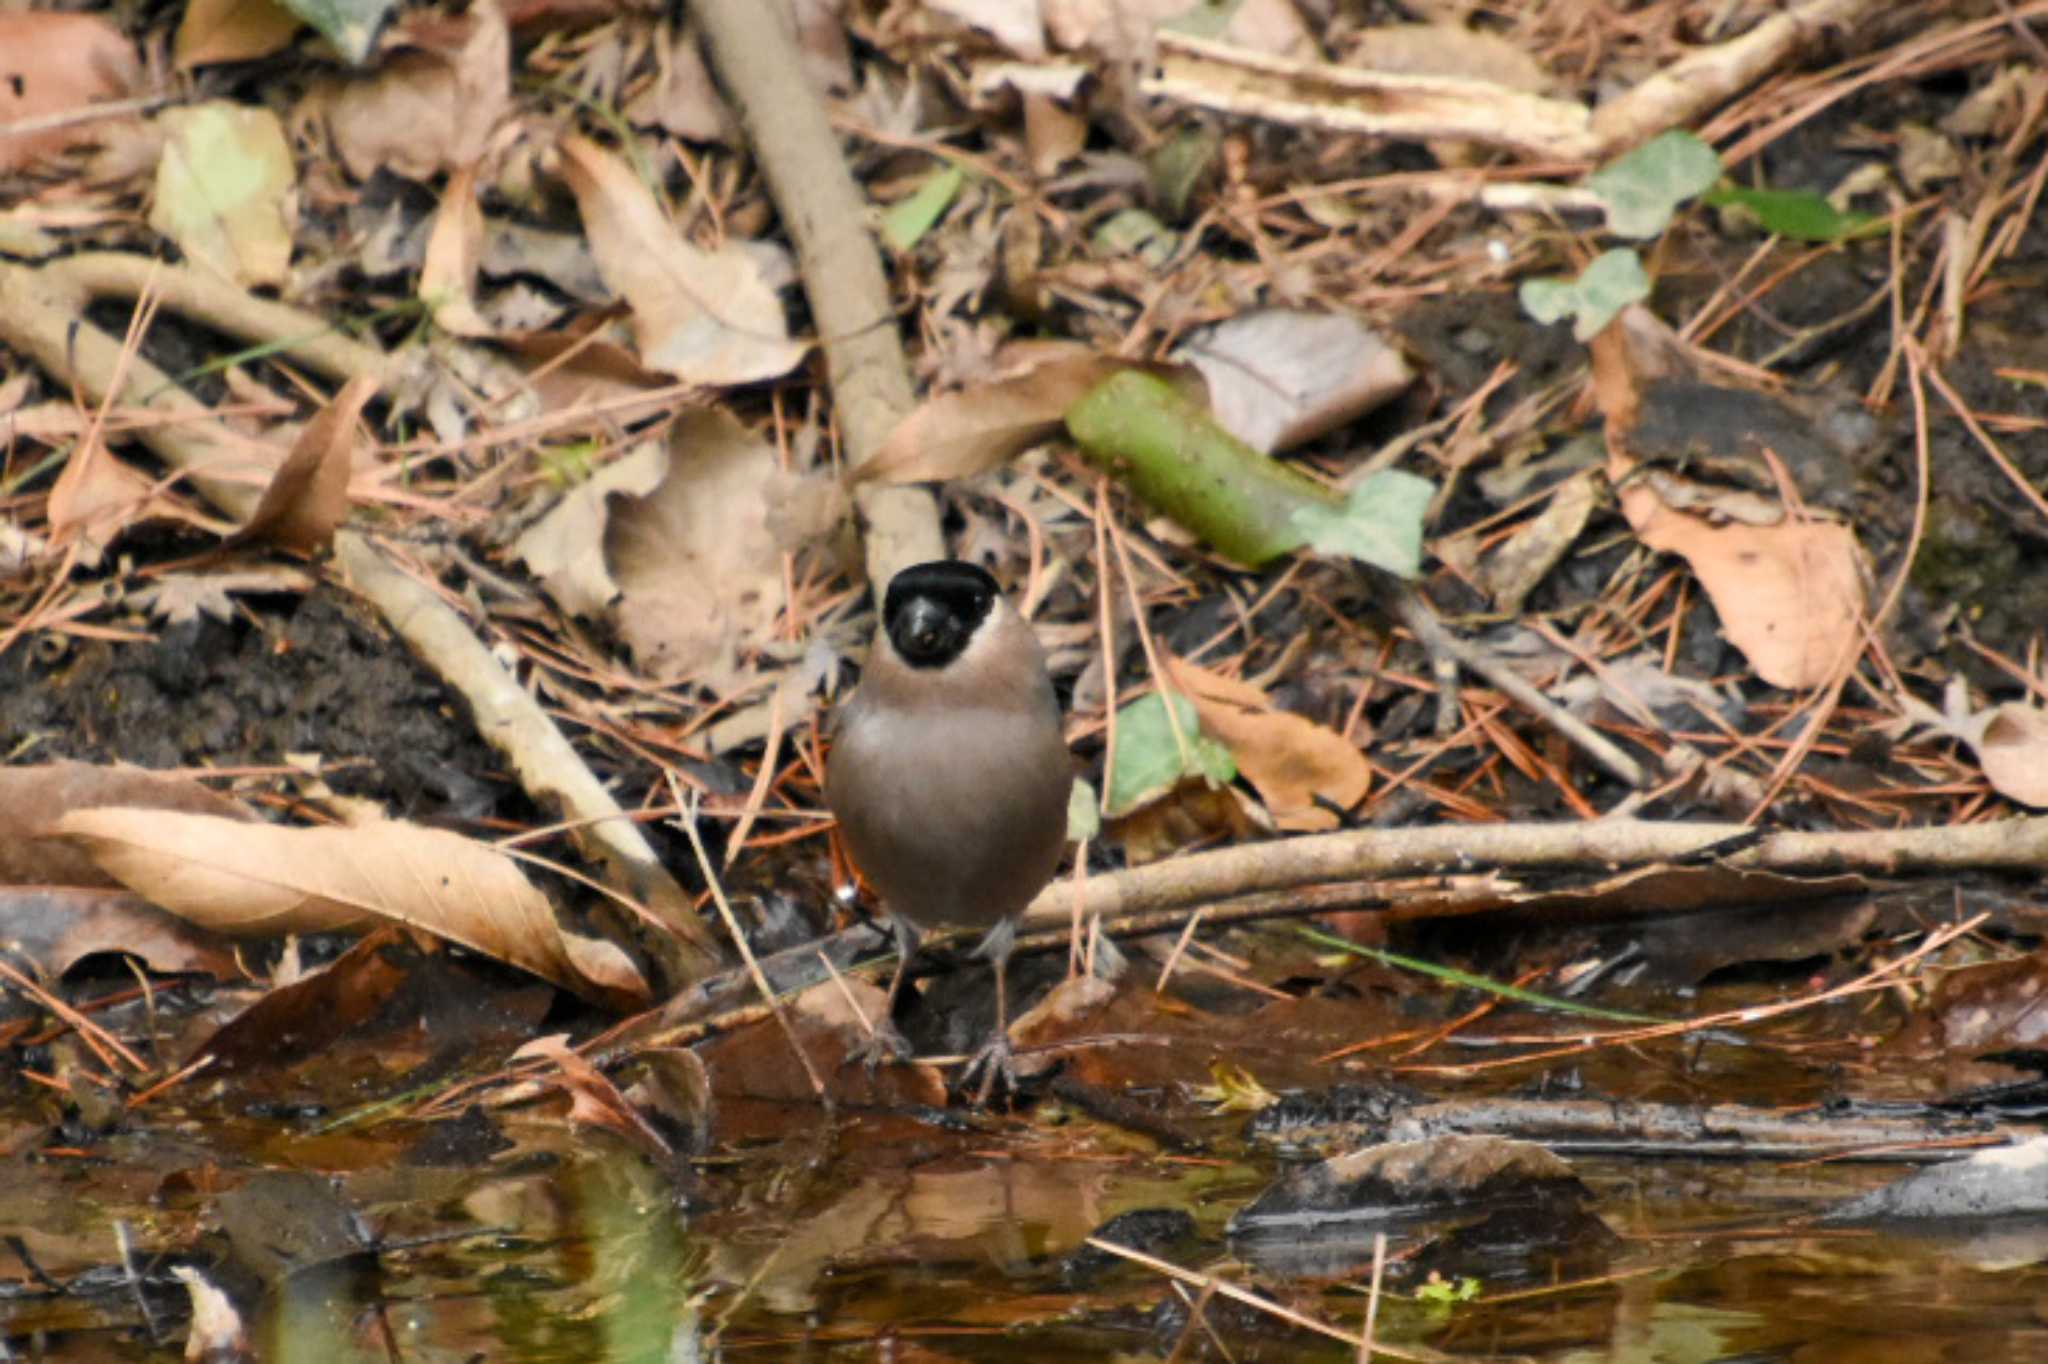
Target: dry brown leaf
column 682, row 98
column 214, row 31
column 1289, row 759
column 594, row 1101
column 699, row 570
column 2013, row 748
column 58, row 926
column 1790, row 596
column 979, row 428
column 308, row 497
column 95, row 498
column 448, row 275
column 57, row 64
column 1279, row 376
column 709, row 317
column 425, row 111
column 258, row 879
column 565, row 548
column 32, row 797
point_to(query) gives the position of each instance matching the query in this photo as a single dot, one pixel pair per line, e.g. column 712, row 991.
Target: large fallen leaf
column 34, row 796
column 698, row 564
column 1304, row 771
column 1790, row 595
column 256, row 879
column 709, row 317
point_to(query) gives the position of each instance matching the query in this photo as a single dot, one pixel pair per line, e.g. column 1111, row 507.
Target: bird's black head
column 932, row 610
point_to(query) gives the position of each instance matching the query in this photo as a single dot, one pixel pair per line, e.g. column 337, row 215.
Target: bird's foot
column 885, row 1043
column 992, row 1061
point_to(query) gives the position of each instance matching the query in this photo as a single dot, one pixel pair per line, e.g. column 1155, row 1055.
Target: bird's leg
column 886, row 1042
column 994, row 1057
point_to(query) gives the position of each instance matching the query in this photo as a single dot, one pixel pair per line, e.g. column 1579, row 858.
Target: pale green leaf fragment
column 906, row 222
column 224, row 187
column 1642, row 188
column 351, row 25
column 1084, row 816
column 1380, row 523
column 1602, row 290
column 1134, row 232
column 1151, row 759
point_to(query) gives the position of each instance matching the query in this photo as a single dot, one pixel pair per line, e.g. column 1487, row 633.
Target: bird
column 949, row 775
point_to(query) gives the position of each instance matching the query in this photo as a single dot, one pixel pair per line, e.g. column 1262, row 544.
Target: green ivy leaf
column 1642, row 188
column 1149, row 760
column 1601, row 290
column 1380, row 522
column 907, row 220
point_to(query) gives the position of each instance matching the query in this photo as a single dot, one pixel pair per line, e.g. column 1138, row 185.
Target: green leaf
column 1642, row 188
column 1134, row 232
column 351, row 25
column 1151, row 761
column 1380, row 523
column 1804, row 215
column 907, row 220
column 1084, row 815
column 1602, row 289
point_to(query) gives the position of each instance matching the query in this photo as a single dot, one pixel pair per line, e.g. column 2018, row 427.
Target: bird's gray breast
column 955, row 816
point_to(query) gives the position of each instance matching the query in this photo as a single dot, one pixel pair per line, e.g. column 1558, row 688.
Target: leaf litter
column 1762, row 632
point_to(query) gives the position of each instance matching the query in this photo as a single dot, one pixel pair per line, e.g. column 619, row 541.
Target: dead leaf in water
column 256, row 879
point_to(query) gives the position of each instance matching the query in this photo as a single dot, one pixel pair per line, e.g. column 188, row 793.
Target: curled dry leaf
column 709, row 317
column 983, row 426
column 2012, row 745
column 1278, row 377
column 308, row 497
column 1294, row 763
column 565, row 548
column 1790, row 595
column 250, row 879
column 454, row 248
